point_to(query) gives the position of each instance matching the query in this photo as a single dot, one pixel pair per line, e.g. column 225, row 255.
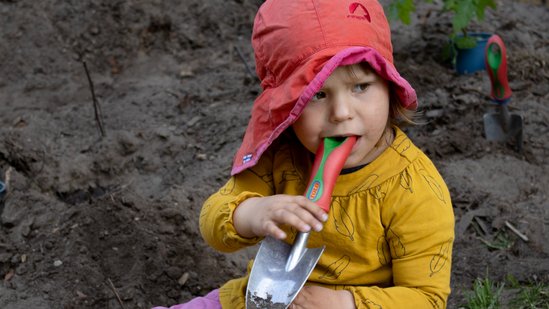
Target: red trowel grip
column 497, row 71
column 329, row 165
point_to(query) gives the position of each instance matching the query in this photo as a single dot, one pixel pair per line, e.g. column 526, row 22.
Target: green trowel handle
column 496, row 66
column 329, row 160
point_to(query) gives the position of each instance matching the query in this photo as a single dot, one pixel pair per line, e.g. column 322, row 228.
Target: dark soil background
column 93, row 221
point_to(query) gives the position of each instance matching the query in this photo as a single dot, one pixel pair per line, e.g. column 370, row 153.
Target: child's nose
column 340, row 110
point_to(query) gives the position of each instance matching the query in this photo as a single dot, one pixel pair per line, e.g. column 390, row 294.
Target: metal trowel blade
column 495, row 131
column 270, row 285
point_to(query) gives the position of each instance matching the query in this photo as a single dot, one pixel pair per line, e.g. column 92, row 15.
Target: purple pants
column 210, row 301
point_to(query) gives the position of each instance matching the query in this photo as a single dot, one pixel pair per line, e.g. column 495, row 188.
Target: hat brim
column 277, row 108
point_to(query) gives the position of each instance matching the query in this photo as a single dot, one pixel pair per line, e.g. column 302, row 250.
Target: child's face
column 351, row 102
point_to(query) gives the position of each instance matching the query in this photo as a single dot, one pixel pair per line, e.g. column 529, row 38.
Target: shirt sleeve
column 216, row 216
column 419, row 234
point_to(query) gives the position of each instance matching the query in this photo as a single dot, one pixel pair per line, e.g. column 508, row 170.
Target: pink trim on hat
column 352, row 55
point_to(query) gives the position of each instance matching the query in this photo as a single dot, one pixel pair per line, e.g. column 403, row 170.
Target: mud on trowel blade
column 280, row 269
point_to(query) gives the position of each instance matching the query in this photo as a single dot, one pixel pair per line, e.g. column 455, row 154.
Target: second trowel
column 501, row 125
column 280, row 269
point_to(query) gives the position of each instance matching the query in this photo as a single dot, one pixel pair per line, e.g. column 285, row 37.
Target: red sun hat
column 297, row 45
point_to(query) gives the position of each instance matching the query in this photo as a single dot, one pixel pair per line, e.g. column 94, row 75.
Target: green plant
column 489, row 295
column 464, row 11
column 535, row 296
column 485, row 295
column 401, row 9
column 500, row 241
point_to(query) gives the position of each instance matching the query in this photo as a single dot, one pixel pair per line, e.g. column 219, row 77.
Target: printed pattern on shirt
column 367, row 184
column 370, row 304
column 439, row 260
column 433, row 184
column 228, row 188
column 383, row 253
column 396, row 246
column 342, row 221
column 290, row 175
column 379, row 192
column 265, row 177
column 336, row 268
column 406, row 181
column 401, row 144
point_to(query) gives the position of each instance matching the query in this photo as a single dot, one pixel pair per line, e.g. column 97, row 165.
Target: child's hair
column 398, row 115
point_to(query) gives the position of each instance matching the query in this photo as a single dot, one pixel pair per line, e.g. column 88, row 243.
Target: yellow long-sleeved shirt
column 389, row 234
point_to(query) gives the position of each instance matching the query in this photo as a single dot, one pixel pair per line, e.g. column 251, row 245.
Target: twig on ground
column 245, row 62
column 7, row 177
column 116, row 293
column 514, row 230
column 467, row 219
column 96, row 107
column 482, row 225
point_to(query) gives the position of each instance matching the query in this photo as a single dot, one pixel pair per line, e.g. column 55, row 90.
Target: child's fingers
column 273, row 230
column 288, row 214
column 313, row 209
column 299, row 213
column 303, row 219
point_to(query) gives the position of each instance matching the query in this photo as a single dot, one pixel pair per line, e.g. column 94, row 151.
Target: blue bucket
column 471, row 60
column 2, row 189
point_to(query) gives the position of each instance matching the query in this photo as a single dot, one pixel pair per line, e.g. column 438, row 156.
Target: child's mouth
column 339, row 139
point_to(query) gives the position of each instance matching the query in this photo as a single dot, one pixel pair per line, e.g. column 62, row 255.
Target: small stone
column 193, row 121
column 57, row 263
column 183, row 279
column 434, row 113
column 163, row 132
column 186, row 72
column 173, row 272
column 9, row 275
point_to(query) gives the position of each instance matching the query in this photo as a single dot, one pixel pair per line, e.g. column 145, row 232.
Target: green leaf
column 401, row 9
column 447, row 52
column 450, row 5
column 463, row 15
column 465, row 42
column 464, row 11
column 405, row 7
column 481, row 7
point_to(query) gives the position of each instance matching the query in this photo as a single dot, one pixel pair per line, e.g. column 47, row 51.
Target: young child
column 326, row 68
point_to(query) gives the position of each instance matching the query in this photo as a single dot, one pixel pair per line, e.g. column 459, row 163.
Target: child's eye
column 318, row 96
column 360, row 87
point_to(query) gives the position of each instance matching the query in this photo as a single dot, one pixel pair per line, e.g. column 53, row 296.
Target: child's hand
column 316, row 297
column 261, row 216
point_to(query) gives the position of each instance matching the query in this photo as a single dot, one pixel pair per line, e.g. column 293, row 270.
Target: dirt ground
column 92, row 221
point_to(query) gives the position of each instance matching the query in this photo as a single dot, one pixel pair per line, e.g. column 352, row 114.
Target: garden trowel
column 280, row 269
column 500, row 125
